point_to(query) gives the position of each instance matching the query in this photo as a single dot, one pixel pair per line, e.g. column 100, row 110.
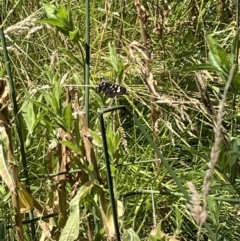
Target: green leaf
column 78, row 137
column 2, row 71
column 200, row 67
column 29, row 115
column 70, row 19
column 91, row 167
column 96, row 137
column 99, row 236
column 55, row 104
column 65, row 15
column 3, row 230
column 71, row 229
column 233, row 157
column 237, row 80
column 74, row 35
column 79, row 164
column 47, row 124
column 220, row 70
column 38, row 120
column 234, row 49
column 214, row 210
column 218, row 56
column 193, row 151
column 83, row 191
column 53, row 97
column 71, row 56
column 59, row 17
column 32, row 116
column 130, row 235
column 115, row 61
column 62, row 13
column 120, row 71
column 113, row 56
column 114, row 141
column 71, row 146
column 40, row 104
column 48, row 99
column 67, row 116
column 50, row 10
column 52, row 21
column 179, row 220
column 56, row 119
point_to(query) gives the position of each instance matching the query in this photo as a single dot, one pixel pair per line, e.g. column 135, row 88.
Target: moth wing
column 110, row 92
column 121, row 90
column 103, row 86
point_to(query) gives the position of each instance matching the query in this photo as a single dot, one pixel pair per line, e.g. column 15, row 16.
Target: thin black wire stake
column 153, row 145
column 109, row 175
column 87, row 61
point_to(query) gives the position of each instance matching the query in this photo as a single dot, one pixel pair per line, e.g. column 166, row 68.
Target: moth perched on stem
column 111, row 90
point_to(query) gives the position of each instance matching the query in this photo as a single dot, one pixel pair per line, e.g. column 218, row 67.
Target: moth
column 111, row 90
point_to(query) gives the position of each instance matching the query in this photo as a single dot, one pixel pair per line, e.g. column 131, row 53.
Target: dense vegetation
column 179, row 63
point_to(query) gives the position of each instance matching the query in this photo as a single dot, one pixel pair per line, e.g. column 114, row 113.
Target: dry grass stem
column 25, row 24
column 218, row 138
column 198, row 212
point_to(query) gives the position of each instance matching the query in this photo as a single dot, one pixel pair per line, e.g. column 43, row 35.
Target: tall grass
column 153, row 44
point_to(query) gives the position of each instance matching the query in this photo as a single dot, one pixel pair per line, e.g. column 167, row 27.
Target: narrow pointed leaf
column 71, row 56
column 113, row 56
column 71, row 146
column 67, row 115
column 200, row 67
column 235, row 47
column 52, row 21
column 62, row 13
column 218, row 56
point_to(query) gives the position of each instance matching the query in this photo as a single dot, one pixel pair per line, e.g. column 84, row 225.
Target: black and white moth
column 111, row 90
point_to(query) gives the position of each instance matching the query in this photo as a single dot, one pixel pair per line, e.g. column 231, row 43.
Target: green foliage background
column 47, row 62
